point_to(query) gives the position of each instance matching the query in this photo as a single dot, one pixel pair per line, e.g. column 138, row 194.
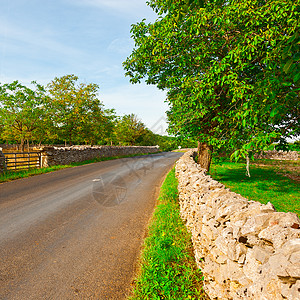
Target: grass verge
column 168, row 269
column 265, row 184
column 13, row 175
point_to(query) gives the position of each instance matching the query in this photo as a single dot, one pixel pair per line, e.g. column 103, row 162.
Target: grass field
column 271, row 181
column 168, row 269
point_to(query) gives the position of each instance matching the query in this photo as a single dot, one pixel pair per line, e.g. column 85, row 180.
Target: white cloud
column 10, row 33
column 40, row 40
column 129, row 7
column 122, row 46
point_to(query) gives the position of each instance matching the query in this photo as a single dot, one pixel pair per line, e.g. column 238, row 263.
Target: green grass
column 13, row 175
column 168, row 269
column 265, row 184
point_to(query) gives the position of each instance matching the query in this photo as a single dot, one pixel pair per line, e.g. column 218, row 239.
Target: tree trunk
column 248, row 166
column 204, row 155
column 22, row 145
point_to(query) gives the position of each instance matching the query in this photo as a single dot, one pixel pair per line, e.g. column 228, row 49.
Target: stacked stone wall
column 52, row 156
column 8, row 147
column 278, row 155
column 245, row 249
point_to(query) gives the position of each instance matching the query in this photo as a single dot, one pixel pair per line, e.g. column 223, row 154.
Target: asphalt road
column 77, row 233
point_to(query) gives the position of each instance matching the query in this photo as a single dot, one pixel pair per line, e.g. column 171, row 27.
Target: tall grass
column 168, row 269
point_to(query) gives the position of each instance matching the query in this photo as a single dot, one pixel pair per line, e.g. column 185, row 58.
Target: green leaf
column 297, row 77
column 296, row 56
column 288, row 65
column 273, row 112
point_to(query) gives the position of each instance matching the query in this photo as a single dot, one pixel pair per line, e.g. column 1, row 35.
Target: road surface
column 76, row 233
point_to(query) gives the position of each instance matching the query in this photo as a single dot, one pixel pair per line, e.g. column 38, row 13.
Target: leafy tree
column 75, row 112
column 294, row 146
column 231, row 69
column 148, row 138
column 130, row 130
column 100, row 128
column 21, row 111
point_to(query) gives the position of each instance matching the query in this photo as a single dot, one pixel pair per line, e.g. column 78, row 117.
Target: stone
column 208, row 232
column 242, row 259
column 261, row 254
column 234, row 270
column 252, row 268
column 228, row 210
column 236, row 226
column 291, row 291
column 287, row 220
column 278, row 264
column 52, row 156
column 246, row 249
column 293, row 270
column 227, row 232
column 221, row 258
column 218, row 256
column 280, row 155
column 253, row 240
column 278, row 235
column 269, row 207
column 210, row 266
column 295, row 258
column 271, row 290
column 234, row 250
column 256, row 223
column 290, row 247
column 235, row 285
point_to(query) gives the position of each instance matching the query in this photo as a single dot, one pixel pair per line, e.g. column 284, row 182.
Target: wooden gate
column 22, row 160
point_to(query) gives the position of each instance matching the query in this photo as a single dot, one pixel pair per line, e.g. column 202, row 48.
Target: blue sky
column 43, row 39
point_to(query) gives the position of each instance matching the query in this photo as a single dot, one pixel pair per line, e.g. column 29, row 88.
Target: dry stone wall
column 245, row 249
column 52, row 156
column 2, row 162
column 278, row 155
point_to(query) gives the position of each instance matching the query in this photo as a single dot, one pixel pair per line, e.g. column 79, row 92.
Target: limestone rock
column 246, row 249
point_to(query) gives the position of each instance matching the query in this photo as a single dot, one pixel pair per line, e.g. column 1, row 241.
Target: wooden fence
column 22, row 160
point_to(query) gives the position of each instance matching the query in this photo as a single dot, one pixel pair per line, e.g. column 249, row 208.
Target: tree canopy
column 231, row 69
column 130, row 130
column 67, row 111
column 75, row 112
column 21, row 111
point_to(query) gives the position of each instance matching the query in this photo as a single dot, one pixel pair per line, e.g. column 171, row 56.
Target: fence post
column 2, row 162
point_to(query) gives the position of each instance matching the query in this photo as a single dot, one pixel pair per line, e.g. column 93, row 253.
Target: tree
column 22, row 111
column 100, row 127
column 227, row 70
column 75, row 112
column 130, row 130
